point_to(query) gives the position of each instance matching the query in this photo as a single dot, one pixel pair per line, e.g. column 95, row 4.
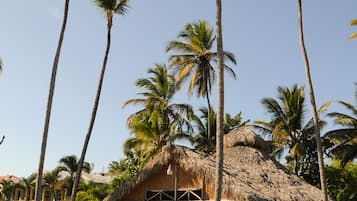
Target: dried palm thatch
column 244, row 136
column 249, row 172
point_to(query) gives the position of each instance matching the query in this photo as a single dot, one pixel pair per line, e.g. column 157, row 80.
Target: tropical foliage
column 342, row 183
column 126, row 168
column 286, row 127
column 109, row 7
column 159, row 121
column 193, row 56
column 201, row 141
column 51, row 179
column 345, row 138
column 7, row 189
column 29, row 184
column 70, row 165
column 93, row 191
column 354, row 35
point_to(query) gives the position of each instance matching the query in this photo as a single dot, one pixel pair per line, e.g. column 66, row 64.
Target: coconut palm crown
column 345, row 138
column 159, row 121
column 286, row 126
column 193, row 56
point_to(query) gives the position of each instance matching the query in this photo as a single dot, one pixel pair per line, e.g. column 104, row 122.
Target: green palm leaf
column 159, row 122
column 353, row 22
column 344, row 139
column 193, row 55
column 286, row 127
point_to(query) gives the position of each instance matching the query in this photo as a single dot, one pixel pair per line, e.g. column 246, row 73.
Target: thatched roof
column 244, row 136
column 249, row 173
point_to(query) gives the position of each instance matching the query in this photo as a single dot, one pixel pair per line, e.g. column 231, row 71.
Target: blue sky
column 262, row 34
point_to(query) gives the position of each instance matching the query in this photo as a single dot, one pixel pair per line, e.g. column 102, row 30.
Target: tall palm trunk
column 93, row 116
column 2, row 140
column 209, row 129
column 49, row 105
column 313, row 104
column 220, row 108
column 296, row 167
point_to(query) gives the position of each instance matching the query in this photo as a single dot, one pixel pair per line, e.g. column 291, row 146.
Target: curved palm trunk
column 220, row 108
column 2, row 140
column 49, row 105
column 93, row 116
column 313, row 104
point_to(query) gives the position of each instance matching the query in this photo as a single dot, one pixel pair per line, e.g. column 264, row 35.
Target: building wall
column 19, row 194
column 162, row 181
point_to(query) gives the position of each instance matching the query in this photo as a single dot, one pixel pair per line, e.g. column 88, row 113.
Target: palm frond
column 349, row 106
column 341, row 134
column 352, row 36
column 263, row 127
column 230, row 71
column 122, row 7
column 137, row 101
column 273, row 107
column 179, row 46
column 324, row 107
column 106, row 5
column 343, row 119
column 353, row 22
column 230, row 57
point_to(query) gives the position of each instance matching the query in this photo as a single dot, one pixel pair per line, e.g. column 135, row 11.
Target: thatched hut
column 180, row 173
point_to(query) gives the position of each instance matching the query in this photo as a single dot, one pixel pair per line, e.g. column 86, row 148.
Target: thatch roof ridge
column 244, row 136
column 249, row 174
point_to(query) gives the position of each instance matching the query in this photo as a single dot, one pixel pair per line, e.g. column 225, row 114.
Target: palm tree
column 130, row 165
column 49, row 104
column 125, row 168
column 70, row 165
column 200, row 141
column 110, row 7
column 159, row 122
column 7, row 190
column 193, row 55
column 28, row 184
column 51, row 179
column 286, row 126
column 354, row 35
column 220, row 103
column 345, row 138
column 313, row 103
column 93, row 191
column 116, row 168
column 231, row 123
